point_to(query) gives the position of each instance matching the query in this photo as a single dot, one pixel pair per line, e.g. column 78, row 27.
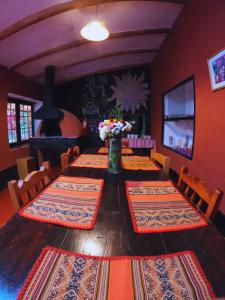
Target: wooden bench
column 197, row 193
column 163, row 160
column 23, row 191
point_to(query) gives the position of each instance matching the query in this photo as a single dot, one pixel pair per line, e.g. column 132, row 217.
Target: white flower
column 127, row 127
column 104, row 132
column 108, row 131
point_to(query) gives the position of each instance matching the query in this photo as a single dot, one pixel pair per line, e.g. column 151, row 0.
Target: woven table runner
column 158, row 206
column 104, row 150
column 68, row 201
column 91, row 161
column 139, row 163
column 59, row 274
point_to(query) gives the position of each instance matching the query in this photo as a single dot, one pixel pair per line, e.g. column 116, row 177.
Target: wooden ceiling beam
column 110, row 69
column 61, row 8
column 105, row 70
column 102, row 56
column 83, row 42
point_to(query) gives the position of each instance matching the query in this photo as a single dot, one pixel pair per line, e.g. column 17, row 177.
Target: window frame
column 19, row 102
column 191, row 78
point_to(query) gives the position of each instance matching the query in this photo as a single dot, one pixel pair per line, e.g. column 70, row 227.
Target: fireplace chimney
column 48, row 110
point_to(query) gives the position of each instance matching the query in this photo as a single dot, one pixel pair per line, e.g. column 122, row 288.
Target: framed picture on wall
column 216, row 66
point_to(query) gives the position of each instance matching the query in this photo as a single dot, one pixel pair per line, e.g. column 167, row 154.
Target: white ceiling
column 34, row 34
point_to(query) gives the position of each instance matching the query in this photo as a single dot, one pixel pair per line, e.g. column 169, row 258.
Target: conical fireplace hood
column 48, row 110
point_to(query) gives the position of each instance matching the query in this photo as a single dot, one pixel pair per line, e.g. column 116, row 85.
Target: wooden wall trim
column 61, row 8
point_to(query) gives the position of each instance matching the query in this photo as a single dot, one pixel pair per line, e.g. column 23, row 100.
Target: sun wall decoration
column 130, row 92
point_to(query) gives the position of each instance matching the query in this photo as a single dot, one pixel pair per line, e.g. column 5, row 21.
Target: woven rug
column 91, row 161
column 59, row 274
column 139, row 163
column 68, row 201
column 158, row 206
column 104, row 150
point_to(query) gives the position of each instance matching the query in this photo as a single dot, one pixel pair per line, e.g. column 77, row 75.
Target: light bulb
column 95, row 31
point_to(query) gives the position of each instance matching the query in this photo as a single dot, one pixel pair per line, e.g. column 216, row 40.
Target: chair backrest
column 65, row 159
column 196, row 192
column 163, row 160
column 68, row 156
column 76, row 151
column 22, row 191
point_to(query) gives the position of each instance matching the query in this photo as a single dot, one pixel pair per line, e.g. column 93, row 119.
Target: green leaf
column 115, row 112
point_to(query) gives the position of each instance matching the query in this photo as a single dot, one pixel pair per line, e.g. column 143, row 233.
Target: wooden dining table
column 21, row 240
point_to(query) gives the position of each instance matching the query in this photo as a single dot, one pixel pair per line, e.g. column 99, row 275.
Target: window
column 179, row 118
column 20, row 122
column 11, row 116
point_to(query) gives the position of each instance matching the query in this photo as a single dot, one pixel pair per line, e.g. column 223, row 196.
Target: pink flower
column 101, row 124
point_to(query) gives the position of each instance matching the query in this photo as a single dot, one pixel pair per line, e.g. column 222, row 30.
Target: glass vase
column 115, row 155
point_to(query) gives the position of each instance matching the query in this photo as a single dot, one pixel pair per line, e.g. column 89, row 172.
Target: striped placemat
column 59, row 274
column 91, row 161
column 139, row 163
column 68, row 201
column 125, row 151
column 158, row 206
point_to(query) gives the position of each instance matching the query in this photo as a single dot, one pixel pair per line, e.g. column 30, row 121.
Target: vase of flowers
column 112, row 130
column 115, row 155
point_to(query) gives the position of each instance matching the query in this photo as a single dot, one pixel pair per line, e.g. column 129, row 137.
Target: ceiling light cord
column 96, row 15
column 95, row 30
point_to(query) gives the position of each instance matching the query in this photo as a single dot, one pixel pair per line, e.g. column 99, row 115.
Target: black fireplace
column 50, row 148
column 50, row 115
column 51, row 143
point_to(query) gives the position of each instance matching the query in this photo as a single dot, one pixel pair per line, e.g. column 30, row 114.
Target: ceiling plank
column 103, row 70
column 102, row 56
column 63, row 7
column 78, row 43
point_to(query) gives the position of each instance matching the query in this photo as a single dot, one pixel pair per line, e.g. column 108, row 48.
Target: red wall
column 11, row 82
column 198, row 34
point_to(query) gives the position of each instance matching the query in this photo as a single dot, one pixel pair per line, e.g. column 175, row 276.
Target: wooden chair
column 76, row 151
column 69, row 152
column 68, row 156
column 196, row 192
column 23, row 191
column 163, row 160
column 65, row 160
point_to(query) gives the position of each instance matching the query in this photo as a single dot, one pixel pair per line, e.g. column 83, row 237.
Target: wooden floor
column 21, row 240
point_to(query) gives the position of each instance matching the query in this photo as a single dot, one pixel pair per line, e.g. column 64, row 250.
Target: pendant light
column 95, row 30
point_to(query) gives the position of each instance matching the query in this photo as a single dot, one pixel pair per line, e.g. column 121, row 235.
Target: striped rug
column 91, row 161
column 59, row 274
column 158, row 206
column 68, row 201
column 125, row 151
column 139, row 163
